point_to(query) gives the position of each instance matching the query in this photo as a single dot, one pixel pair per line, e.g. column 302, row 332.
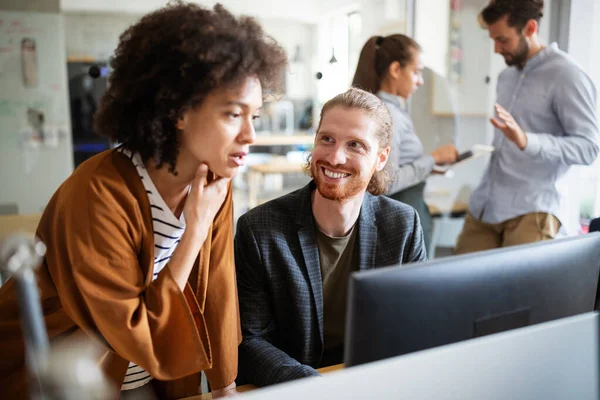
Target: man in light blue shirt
column 545, row 123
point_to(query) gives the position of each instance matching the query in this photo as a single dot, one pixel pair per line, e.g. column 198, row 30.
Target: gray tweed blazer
column 279, row 278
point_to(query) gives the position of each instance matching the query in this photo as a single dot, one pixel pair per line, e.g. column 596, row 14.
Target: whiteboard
column 30, row 170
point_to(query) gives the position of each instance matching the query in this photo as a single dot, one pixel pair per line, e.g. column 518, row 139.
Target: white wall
column 51, row 6
column 304, row 11
column 595, row 75
column 583, row 39
column 383, row 17
column 471, row 92
column 432, row 20
column 581, row 31
column 94, row 36
column 594, row 70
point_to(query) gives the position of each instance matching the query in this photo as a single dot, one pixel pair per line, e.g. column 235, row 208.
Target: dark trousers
column 413, row 196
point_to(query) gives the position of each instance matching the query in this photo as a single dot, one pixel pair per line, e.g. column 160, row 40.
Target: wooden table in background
column 25, row 223
column 246, row 388
column 457, row 208
column 257, row 172
column 283, row 140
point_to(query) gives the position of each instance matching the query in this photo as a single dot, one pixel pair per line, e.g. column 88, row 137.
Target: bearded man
column 545, row 123
column 294, row 255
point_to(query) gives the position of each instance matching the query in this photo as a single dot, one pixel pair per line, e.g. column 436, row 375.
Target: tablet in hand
column 464, row 156
column 476, row 151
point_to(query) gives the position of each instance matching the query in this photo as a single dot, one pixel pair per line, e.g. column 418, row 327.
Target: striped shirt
column 407, row 156
column 167, row 233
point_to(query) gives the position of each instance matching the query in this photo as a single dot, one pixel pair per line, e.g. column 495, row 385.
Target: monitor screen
column 85, row 92
column 399, row 310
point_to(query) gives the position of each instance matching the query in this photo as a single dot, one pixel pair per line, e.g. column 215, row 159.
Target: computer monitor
column 399, row 310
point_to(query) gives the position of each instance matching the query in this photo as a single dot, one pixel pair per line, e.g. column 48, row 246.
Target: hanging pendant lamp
column 333, row 59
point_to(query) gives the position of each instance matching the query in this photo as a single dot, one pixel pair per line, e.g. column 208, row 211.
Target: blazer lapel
column 367, row 235
column 310, row 250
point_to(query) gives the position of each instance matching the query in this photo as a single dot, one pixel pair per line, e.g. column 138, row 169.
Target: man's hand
column 507, row 124
column 228, row 391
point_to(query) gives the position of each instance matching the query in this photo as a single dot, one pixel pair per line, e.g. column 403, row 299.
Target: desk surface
column 283, row 140
column 246, row 388
column 25, row 223
column 277, row 168
column 457, row 207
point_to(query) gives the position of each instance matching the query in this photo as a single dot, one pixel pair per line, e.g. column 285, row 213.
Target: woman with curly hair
column 140, row 238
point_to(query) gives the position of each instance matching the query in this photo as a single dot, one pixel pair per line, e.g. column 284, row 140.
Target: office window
column 339, row 48
column 354, row 42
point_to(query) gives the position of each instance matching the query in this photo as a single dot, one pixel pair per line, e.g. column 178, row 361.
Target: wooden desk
column 457, row 208
column 25, row 223
column 257, row 172
column 246, row 388
column 444, row 216
column 283, row 140
column 277, row 168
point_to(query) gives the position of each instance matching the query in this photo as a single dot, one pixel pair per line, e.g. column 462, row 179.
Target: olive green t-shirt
column 339, row 258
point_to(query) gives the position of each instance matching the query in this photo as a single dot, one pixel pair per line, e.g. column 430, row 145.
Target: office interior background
column 47, row 96
column 54, row 65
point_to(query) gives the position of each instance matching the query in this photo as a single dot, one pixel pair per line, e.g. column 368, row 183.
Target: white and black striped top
column 167, row 233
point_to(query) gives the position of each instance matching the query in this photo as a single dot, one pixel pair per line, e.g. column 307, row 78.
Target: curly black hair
column 168, row 62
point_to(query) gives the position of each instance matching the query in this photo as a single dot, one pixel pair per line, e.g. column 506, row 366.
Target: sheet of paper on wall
column 477, row 151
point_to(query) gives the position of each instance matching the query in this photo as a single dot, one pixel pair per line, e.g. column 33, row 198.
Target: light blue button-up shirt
column 411, row 165
column 554, row 102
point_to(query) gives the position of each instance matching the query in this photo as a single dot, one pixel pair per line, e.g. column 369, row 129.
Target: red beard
column 352, row 185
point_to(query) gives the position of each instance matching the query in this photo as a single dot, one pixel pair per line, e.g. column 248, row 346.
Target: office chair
column 595, row 225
